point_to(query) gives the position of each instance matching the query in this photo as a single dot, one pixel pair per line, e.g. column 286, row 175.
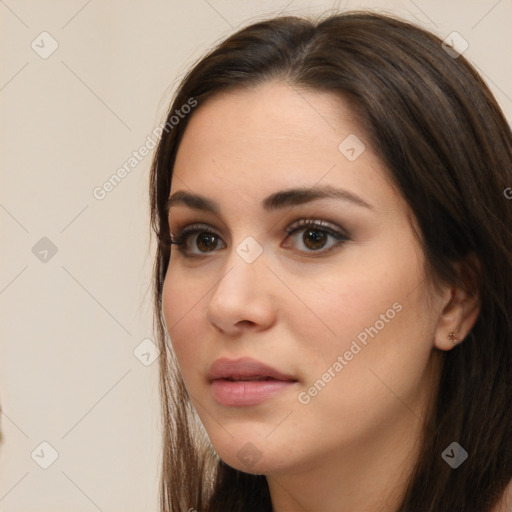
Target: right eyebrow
column 194, row 201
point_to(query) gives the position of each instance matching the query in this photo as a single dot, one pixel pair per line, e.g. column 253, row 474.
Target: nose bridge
column 245, row 267
column 241, row 296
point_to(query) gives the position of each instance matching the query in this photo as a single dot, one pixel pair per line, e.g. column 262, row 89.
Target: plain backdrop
column 82, row 85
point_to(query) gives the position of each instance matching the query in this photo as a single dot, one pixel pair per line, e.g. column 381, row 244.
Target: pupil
column 314, row 239
column 205, row 242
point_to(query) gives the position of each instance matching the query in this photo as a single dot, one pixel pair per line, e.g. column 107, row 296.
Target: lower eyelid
column 184, row 236
column 339, row 240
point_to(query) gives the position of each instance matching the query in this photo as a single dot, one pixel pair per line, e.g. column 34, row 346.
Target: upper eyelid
column 317, row 223
column 299, row 223
column 332, row 229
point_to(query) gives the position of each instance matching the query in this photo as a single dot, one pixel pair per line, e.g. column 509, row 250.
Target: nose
column 243, row 298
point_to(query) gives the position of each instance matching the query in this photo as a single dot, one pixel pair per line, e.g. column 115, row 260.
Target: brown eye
column 197, row 241
column 315, row 236
column 314, row 239
column 206, row 242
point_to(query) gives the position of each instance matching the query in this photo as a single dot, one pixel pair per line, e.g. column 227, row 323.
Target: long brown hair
column 447, row 146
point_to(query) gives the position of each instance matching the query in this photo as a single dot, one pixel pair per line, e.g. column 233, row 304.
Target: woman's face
column 336, row 306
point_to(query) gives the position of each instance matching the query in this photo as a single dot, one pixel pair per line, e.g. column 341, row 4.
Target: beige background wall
column 72, row 320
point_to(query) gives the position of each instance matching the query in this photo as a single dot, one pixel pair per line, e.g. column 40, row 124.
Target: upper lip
column 244, row 369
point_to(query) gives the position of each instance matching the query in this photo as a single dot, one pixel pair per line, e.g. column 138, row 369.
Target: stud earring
column 452, row 338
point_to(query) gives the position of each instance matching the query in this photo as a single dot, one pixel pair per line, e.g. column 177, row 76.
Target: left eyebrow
column 275, row 201
column 295, row 196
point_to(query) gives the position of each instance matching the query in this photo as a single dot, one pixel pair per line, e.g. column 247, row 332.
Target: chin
column 255, row 455
column 250, row 459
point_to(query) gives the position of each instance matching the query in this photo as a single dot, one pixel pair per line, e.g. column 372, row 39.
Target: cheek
column 368, row 297
column 373, row 316
column 181, row 305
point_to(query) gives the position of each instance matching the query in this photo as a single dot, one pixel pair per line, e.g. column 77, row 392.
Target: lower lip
column 245, row 393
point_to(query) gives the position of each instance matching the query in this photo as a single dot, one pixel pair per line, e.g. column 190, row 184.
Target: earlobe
column 453, row 338
column 456, row 319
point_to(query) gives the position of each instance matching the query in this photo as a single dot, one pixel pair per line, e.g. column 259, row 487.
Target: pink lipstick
column 245, row 382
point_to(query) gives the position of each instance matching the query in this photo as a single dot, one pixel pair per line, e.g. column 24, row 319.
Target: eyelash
column 180, row 239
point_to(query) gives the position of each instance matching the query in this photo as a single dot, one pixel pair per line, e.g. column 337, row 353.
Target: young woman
column 334, row 275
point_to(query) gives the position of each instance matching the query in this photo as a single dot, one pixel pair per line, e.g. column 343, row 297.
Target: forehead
column 276, row 116
column 252, row 142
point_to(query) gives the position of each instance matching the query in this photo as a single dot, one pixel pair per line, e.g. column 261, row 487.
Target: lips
column 245, row 369
column 246, row 382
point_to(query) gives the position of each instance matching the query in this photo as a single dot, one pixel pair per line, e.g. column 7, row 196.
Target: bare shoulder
column 505, row 505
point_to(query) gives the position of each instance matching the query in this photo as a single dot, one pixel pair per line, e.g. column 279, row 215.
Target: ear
column 458, row 316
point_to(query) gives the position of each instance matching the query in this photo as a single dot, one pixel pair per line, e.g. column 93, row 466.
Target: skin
column 353, row 446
